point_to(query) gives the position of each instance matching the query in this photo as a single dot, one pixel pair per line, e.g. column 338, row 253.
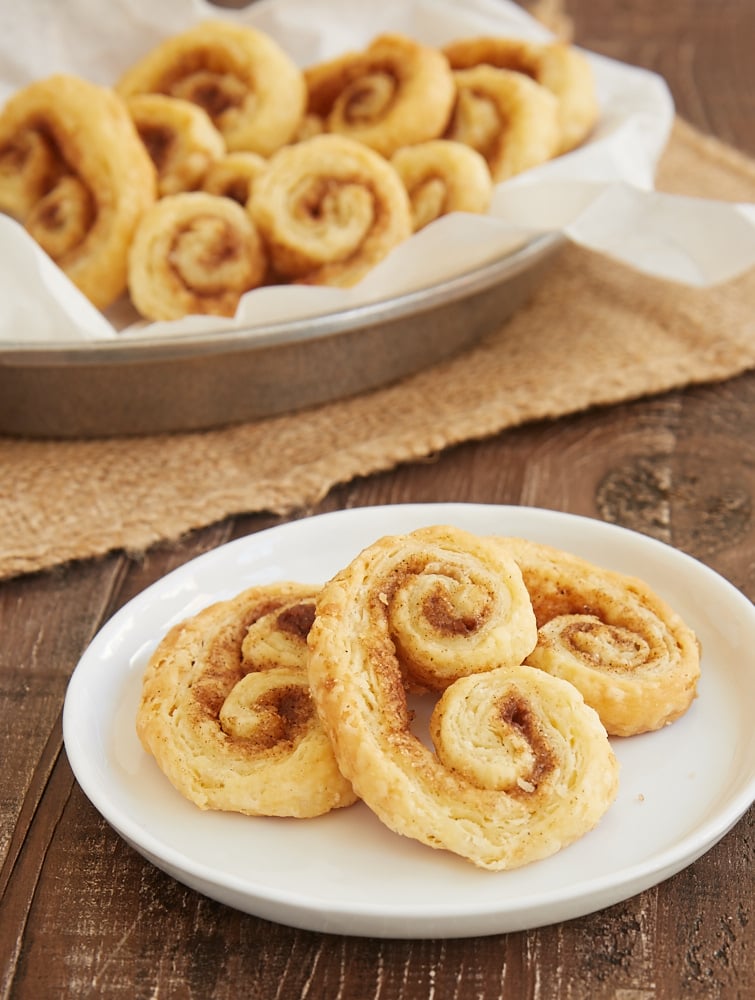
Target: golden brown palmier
column 180, row 138
column 75, row 173
column 226, row 710
column 396, row 92
column 194, row 254
column 633, row 658
column 442, row 176
column 559, row 67
column 251, row 89
column 521, row 767
column 329, row 209
column 510, row 120
column 30, row 167
column 233, row 175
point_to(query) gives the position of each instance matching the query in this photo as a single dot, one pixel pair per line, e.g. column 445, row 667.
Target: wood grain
column 82, row 915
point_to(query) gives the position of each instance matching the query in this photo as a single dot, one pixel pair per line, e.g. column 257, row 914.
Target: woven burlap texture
column 595, row 333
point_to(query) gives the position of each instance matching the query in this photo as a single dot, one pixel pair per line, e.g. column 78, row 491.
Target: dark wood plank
column 702, row 49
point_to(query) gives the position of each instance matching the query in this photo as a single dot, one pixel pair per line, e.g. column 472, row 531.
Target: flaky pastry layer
column 251, row 89
column 395, row 92
column 194, row 253
column 329, row 209
column 634, row 659
column 522, row 766
column 180, row 138
column 75, row 173
column 559, row 67
column 443, row 176
column 226, row 709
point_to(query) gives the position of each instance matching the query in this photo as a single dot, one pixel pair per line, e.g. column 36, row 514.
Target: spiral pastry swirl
column 194, row 254
column 447, row 601
column 396, row 92
column 30, row 167
column 557, row 66
column 233, row 175
column 633, row 658
column 508, row 118
column 251, row 89
column 441, row 176
column 180, row 139
column 75, row 173
column 521, row 765
column 226, row 711
column 329, row 209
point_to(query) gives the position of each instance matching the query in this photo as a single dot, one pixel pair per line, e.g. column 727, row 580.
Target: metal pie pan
column 195, row 382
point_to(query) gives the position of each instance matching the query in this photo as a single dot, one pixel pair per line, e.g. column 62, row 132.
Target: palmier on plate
column 632, row 656
column 226, row 709
column 521, row 765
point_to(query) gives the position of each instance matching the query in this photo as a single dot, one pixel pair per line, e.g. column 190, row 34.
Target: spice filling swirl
column 519, row 766
column 226, row 709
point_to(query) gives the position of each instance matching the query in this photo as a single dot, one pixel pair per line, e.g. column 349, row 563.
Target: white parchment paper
column 600, row 195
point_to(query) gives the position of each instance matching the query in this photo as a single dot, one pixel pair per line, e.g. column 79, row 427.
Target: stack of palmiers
column 291, row 701
column 216, row 165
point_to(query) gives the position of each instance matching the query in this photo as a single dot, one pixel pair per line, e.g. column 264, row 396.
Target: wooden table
column 83, row 915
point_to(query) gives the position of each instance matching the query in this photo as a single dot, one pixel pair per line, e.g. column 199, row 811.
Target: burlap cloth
column 596, row 333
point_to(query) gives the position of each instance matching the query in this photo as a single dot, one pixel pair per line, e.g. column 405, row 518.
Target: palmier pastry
column 441, row 176
column 555, row 65
column 74, row 172
column 30, row 167
column 194, row 253
column 226, row 711
column 254, row 93
column 448, row 603
column 233, row 175
column 329, row 209
column 394, row 93
column 506, row 117
column 631, row 655
column 180, row 138
column 521, row 766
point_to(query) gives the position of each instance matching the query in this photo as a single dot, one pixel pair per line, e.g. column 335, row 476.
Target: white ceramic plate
column 681, row 789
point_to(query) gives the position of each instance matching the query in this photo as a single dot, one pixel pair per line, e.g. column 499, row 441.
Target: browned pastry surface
column 557, row 66
column 329, row 209
column 194, row 253
column 336, row 164
column 251, row 89
column 506, row 117
column 226, row 709
column 395, row 92
column 630, row 654
column 233, row 175
column 521, row 765
column 442, row 176
column 74, row 172
column 180, row 138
